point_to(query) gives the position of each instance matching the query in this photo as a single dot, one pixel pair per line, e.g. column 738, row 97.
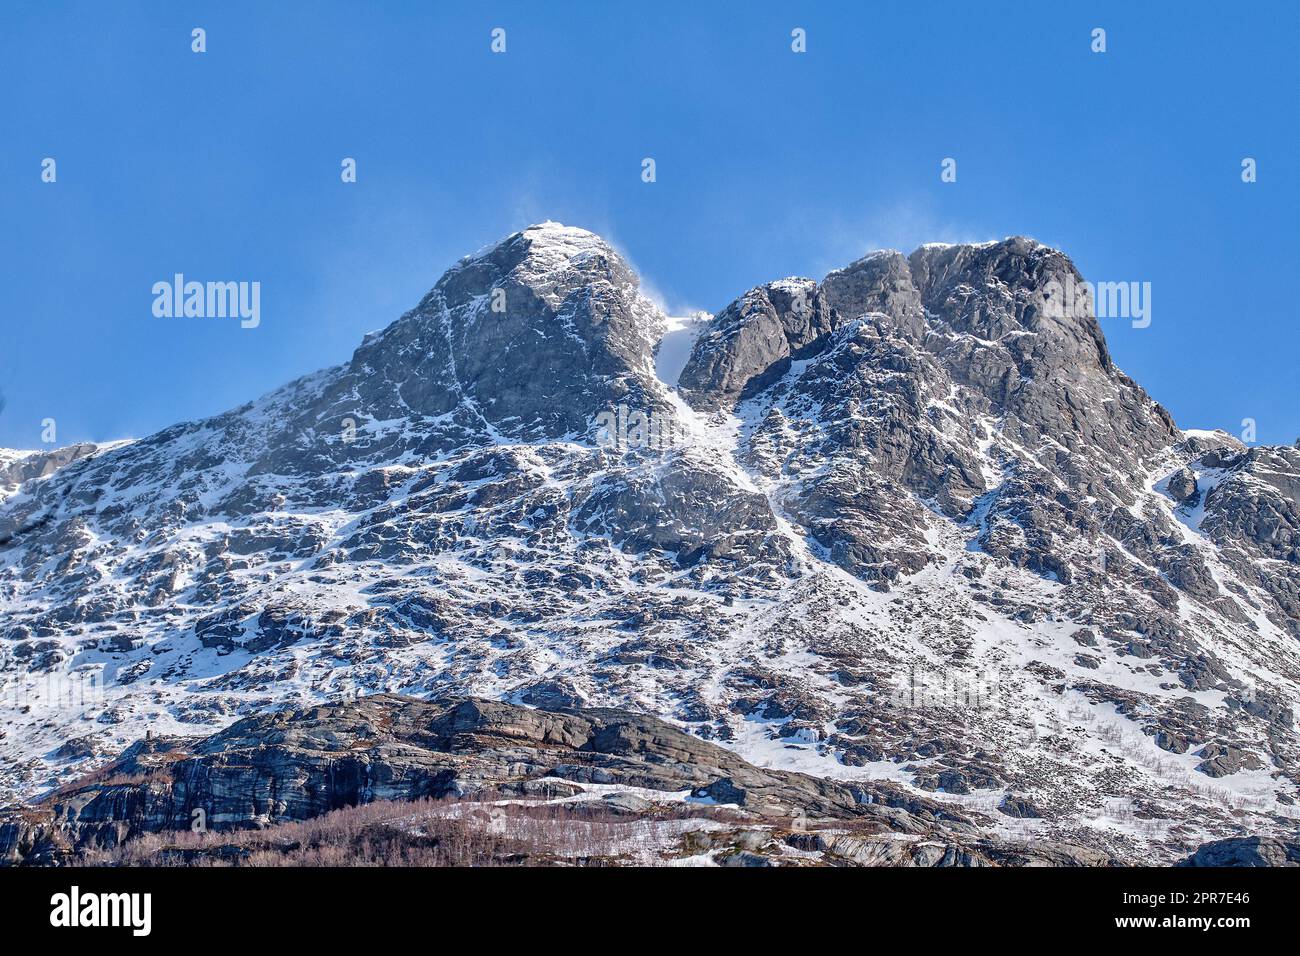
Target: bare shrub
column 474, row 832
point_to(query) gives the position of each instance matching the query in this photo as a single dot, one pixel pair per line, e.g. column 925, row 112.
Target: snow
column 674, row 348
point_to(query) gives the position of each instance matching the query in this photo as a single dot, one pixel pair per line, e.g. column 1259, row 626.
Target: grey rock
column 752, row 342
column 31, row 466
column 1182, row 486
column 1246, row 851
column 1019, row 808
column 1220, row 760
column 298, row 765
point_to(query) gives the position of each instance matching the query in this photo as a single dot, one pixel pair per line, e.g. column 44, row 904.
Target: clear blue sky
column 225, row 166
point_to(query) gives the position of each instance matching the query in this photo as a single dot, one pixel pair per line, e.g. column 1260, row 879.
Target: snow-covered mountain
column 909, row 523
column 17, row 467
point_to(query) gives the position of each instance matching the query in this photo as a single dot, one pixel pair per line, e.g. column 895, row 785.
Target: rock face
column 753, row 341
column 908, row 522
column 299, row 765
column 532, row 338
column 19, row 467
column 1246, row 851
column 1182, row 486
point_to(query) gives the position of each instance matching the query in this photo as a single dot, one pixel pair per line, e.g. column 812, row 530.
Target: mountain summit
column 913, row 526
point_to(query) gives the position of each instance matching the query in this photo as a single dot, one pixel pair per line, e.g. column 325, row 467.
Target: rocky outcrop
column 753, row 341
column 18, row 467
column 298, row 765
column 880, row 283
column 1246, row 851
column 1182, row 486
column 534, row 336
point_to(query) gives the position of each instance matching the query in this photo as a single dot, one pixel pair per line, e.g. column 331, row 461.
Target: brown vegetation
column 431, row 833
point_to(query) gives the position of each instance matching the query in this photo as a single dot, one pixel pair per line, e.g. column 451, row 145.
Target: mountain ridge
column 912, row 464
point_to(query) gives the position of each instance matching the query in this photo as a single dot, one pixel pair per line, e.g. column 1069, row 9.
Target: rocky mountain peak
column 912, row 464
column 17, row 467
column 533, row 336
column 987, row 312
column 998, row 289
column 550, row 259
column 880, row 282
